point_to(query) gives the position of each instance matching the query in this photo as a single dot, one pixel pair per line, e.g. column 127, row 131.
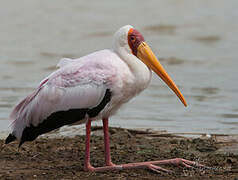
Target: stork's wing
column 75, row 91
column 52, row 103
column 62, row 100
column 52, row 99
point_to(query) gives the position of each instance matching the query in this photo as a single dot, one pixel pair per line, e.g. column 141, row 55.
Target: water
column 195, row 40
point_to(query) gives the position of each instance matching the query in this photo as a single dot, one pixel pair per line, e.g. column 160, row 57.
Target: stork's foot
column 89, row 167
column 179, row 162
column 110, row 164
column 151, row 165
column 158, row 169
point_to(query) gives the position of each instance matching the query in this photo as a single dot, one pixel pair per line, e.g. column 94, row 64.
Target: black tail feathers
column 10, row 138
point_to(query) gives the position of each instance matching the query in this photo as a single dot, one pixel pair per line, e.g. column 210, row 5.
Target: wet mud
column 62, row 158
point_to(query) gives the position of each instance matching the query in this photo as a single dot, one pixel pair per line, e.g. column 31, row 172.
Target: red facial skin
column 134, row 40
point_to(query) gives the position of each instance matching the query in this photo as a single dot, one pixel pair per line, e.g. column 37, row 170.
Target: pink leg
column 87, row 165
column 152, row 165
column 106, row 143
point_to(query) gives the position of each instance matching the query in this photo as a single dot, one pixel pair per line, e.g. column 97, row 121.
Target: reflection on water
column 230, row 116
column 231, row 123
column 207, row 39
column 210, row 90
column 161, row 29
column 196, row 41
column 53, row 55
column 50, row 68
column 14, row 89
column 5, row 106
column 200, row 98
column 206, row 90
column 172, row 61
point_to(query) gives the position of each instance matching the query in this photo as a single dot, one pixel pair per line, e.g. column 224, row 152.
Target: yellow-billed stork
column 90, row 88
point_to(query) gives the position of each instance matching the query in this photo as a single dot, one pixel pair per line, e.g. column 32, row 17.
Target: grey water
column 196, row 41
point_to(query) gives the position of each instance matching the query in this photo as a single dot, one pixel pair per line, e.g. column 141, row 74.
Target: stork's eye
column 132, row 38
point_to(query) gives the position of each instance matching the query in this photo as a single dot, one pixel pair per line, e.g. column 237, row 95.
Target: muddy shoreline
column 62, row 158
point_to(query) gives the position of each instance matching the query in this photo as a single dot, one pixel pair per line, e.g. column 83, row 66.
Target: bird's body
column 79, row 84
column 90, row 88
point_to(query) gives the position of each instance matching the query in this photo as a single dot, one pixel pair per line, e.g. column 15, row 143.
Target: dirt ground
column 63, row 158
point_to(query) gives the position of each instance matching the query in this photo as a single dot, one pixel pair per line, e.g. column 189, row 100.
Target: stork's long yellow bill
column 147, row 56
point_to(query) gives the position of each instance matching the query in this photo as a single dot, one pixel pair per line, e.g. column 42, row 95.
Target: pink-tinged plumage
column 79, row 83
column 90, row 88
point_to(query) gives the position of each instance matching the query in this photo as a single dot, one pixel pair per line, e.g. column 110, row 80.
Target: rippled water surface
column 196, row 41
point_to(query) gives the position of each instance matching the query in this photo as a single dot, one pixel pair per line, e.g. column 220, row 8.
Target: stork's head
column 131, row 40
